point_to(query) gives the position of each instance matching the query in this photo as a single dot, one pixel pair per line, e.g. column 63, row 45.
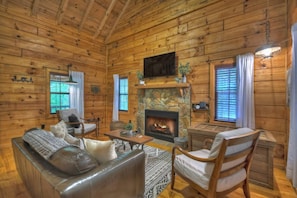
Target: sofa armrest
column 126, row 174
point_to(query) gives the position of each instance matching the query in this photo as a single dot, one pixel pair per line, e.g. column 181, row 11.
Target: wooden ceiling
column 95, row 18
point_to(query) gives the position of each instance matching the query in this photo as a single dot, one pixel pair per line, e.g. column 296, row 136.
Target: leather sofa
column 122, row 177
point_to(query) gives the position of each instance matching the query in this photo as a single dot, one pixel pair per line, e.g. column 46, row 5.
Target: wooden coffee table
column 133, row 140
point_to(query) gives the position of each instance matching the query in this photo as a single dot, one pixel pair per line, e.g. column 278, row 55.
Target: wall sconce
column 70, row 80
column 269, row 49
column 22, row 79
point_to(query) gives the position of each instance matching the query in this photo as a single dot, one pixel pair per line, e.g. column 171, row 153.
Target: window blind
column 226, row 92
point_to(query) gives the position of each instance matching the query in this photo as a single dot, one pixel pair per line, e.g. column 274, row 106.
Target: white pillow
column 103, row 151
column 60, row 129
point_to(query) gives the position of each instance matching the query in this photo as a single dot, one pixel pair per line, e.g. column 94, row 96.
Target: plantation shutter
column 225, row 94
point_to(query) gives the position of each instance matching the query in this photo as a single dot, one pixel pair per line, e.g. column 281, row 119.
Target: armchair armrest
column 189, row 155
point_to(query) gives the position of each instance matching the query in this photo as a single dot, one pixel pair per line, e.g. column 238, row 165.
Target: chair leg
column 246, row 189
column 172, row 178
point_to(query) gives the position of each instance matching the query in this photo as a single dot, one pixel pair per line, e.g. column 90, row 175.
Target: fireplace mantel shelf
column 180, row 86
column 163, row 86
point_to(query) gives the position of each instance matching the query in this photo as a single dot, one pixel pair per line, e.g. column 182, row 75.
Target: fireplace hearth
column 161, row 124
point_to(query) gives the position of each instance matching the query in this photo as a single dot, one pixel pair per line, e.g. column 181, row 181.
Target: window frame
column 212, row 112
column 59, row 93
column 48, row 72
column 123, row 110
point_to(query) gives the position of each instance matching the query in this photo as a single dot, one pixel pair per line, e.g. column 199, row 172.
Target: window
column 59, row 92
column 225, row 93
column 123, row 94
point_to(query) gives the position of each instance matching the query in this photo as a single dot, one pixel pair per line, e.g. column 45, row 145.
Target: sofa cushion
column 103, row 151
column 65, row 157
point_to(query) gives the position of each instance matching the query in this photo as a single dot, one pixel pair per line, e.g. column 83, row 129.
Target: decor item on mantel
column 177, row 79
column 140, row 77
column 184, row 70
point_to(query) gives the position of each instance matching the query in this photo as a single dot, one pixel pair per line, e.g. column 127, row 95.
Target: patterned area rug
column 157, row 168
column 157, row 171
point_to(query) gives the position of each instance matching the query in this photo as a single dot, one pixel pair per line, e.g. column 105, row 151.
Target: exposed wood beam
column 91, row 2
column 105, row 18
column 35, row 7
column 118, row 19
column 61, row 10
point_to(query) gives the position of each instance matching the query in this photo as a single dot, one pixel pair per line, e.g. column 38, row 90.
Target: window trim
column 48, row 72
column 212, row 89
column 123, row 77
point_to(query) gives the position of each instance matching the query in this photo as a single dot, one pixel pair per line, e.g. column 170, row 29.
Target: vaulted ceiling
column 96, row 18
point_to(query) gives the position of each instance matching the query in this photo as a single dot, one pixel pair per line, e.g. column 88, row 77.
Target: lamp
column 70, row 80
column 267, row 50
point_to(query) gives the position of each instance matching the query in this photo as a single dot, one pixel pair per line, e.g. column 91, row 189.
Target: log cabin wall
column 28, row 47
column 205, row 33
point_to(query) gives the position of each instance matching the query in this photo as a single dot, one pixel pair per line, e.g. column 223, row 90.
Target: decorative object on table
column 129, row 126
column 140, row 77
column 128, row 130
column 184, row 70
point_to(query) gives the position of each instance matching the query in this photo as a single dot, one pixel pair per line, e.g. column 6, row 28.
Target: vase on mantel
column 184, row 79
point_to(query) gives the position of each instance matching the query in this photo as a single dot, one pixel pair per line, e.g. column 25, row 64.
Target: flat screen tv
column 160, row 65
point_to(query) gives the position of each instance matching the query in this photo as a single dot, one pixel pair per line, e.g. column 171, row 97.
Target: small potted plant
column 184, row 70
column 140, row 77
column 129, row 128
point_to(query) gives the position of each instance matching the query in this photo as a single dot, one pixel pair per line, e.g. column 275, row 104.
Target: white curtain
column 77, row 92
column 245, row 91
column 291, row 169
column 115, row 112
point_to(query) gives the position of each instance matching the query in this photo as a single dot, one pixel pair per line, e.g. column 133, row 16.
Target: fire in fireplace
column 161, row 124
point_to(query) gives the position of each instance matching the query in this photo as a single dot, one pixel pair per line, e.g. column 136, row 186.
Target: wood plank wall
column 28, row 47
column 203, row 33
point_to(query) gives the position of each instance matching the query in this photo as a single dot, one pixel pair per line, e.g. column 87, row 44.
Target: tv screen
column 160, row 65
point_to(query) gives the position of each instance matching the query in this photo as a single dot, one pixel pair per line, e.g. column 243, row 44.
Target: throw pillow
column 103, row 151
column 73, row 118
column 60, row 129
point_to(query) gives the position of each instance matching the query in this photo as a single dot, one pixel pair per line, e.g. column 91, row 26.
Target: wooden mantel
column 161, row 86
column 180, row 86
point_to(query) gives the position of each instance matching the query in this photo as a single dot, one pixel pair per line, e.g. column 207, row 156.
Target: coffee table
column 132, row 140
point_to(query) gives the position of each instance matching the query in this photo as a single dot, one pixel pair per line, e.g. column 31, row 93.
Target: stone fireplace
column 161, row 124
column 164, row 100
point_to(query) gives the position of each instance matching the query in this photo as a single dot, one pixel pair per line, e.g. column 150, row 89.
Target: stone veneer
column 166, row 99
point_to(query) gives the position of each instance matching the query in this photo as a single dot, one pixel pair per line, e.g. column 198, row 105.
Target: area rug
column 157, row 171
column 157, row 168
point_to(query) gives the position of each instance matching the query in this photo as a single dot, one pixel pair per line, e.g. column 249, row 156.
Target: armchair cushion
column 195, row 170
column 73, row 118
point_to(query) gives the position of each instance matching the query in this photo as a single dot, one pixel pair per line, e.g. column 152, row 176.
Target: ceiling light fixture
column 269, row 49
column 70, row 80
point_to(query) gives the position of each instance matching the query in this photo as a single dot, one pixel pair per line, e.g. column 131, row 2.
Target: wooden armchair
column 81, row 126
column 220, row 170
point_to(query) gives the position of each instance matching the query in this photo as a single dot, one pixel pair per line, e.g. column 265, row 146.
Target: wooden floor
column 11, row 185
